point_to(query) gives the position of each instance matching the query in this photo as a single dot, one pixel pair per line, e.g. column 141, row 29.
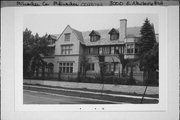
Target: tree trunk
column 43, row 71
column 37, row 72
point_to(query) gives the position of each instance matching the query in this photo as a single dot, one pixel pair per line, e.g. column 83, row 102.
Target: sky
column 56, row 23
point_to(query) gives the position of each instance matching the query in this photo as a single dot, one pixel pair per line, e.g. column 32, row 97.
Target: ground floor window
column 91, row 66
column 66, row 67
column 112, row 67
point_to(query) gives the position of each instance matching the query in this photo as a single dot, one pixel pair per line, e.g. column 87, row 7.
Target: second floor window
column 112, row 50
column 106, row 50
column 130, row 49
column 90, row 50
column 100, row 50
column 67, row 37
column 66, row 49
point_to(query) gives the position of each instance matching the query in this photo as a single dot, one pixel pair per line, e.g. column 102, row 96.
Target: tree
column 147, row 39
column 34, row 47
column 84, row 65
column 146, row 44
column 149, row 53
column 123, row 61
column 102, row 66
column 27, row 50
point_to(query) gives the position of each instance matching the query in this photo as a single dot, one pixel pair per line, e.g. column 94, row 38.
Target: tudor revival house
column 72, row 48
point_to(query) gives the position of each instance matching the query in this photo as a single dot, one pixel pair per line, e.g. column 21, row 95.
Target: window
column 112, row 67
column 67, row 37
column 136, row 49
column 130, row 48
column 100, row 50
column 91, row 66
column 66, row 49
column 94, row 38
column 112, row 50
column 117, row 50
column 106, row 50
column 116, row 67
column 121, row 50
column 114, row 36
column 90, row 50
column 66, row 67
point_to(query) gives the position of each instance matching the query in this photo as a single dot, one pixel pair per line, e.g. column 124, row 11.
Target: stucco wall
column 73, row 40
column 74, row 56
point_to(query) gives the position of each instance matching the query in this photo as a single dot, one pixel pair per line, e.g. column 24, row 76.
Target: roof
column 105, row 37
column 94, row 33
column 113, row 30
column 79, row 35
column 133, row 31
column 54, row 36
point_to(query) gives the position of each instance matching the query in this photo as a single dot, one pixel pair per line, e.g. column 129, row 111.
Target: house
column 73, row 51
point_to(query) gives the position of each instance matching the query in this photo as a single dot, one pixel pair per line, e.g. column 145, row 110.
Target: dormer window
column 114, row 34
column 94, row 36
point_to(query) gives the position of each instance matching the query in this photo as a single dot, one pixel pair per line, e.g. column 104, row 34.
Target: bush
column 131, row 81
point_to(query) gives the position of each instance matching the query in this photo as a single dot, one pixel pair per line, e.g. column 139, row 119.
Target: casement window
column 90, row 50
column 116, row 67
column 119, row 49
column 130, row 48
column 109, row 67
column 66, row 67
column 94, row 38
column 91, row 66
column 66, row 49
column 112, row 67
column 106, row 50
column 122, row 49
column 67, row 37
column 114, row 36
column 112, row 50
column 100, row 50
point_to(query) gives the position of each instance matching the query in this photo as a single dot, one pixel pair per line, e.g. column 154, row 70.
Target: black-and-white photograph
column 90, row 59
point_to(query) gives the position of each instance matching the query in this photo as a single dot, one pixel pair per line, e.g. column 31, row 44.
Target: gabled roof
column 79, row 35
column 54, row 36
column 105, row 37
column 113, row 30
column 94, row 33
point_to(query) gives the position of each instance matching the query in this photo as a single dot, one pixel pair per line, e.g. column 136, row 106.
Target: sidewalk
column 131, row 89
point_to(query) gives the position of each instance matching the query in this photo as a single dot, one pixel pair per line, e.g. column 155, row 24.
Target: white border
column 162, row 13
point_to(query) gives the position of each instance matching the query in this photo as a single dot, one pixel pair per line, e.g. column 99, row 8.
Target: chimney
column 122, row 29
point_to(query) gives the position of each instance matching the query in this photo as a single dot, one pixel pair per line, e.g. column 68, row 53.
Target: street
column 41, row 98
